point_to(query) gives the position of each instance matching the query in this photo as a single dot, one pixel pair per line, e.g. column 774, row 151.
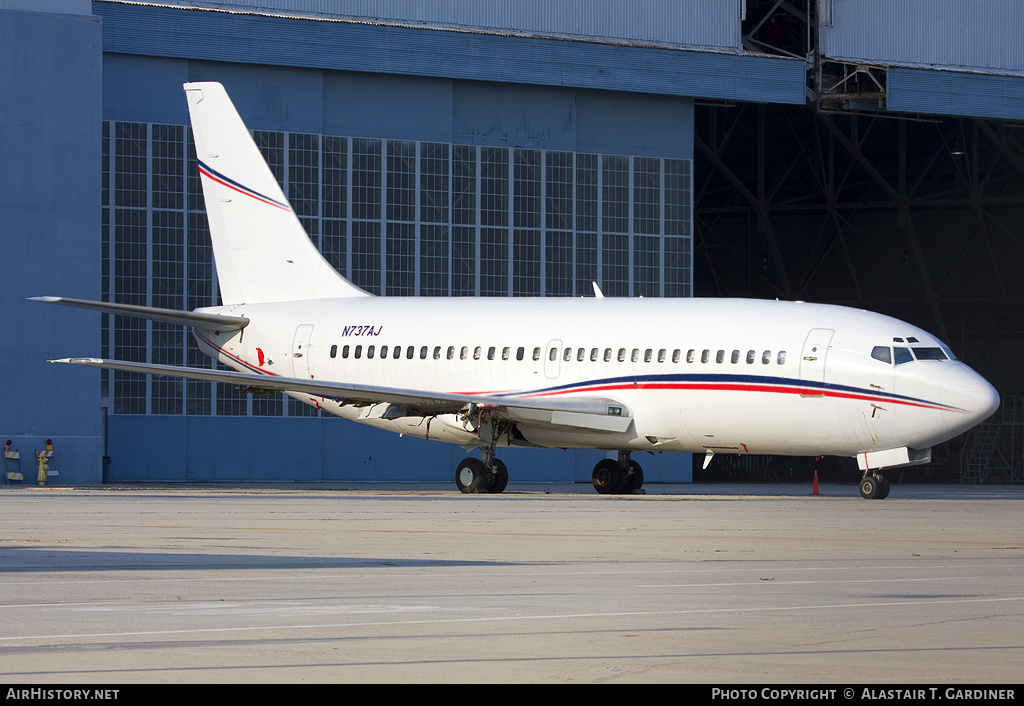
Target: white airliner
column 700, row 375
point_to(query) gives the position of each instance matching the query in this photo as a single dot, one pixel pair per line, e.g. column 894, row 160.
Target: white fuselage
column 736, row 376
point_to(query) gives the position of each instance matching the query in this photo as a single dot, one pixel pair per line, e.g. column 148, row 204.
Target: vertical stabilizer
column 261, row 250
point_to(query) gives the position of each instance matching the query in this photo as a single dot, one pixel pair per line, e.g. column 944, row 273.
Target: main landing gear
column 486, row 475
column 874, row 486
column 620, row 477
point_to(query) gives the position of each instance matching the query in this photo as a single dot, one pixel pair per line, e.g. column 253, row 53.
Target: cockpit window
column 882, row 353
column 923, row 353
column 903, row 355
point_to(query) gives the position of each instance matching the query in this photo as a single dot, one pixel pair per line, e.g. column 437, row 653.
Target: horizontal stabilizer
column 219, row 322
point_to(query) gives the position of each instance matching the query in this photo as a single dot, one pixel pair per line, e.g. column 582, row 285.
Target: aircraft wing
column 596, row 413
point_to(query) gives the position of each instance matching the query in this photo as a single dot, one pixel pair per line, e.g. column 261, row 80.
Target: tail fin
column 261, row 250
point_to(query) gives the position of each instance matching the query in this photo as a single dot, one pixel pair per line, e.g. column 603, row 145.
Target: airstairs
column 995, row 450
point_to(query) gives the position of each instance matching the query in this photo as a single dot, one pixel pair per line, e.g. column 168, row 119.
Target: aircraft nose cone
column 971, row 396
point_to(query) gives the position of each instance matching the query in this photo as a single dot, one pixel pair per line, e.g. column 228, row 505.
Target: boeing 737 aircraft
column 625, row 375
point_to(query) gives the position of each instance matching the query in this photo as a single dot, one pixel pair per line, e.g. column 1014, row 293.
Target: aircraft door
column 552, row 358
column 302, row 351
column 814, row 353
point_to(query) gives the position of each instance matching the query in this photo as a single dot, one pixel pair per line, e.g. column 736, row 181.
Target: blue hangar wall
column 295, row 77
column 50, row 118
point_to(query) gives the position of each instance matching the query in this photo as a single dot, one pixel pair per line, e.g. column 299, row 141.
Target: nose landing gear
column 874, row 487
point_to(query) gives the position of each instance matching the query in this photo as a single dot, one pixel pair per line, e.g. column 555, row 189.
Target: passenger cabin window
column 369, row 351
column 437, row 352
column 735, row 357
column 451, row 352
column 398, row 353
column 766, row 357
column 334, row 351
column 490, row 353
column 520, row 353
column 882, row 353
column 782, row 358
column 902, row 355
column 344, row 351
column 536, row 353
column 622, row 355
column 505, row 352
column 690, row 355
column 751, row 355
column 720, row 358
column 705, row 355
column 607, row 355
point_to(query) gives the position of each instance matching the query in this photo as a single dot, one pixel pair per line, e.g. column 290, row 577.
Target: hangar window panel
column 615, row 194
column 527, row 189
column 558, row 278
column 586, row 192
column 464, row 170
column 131, row 152
column 493, row 262
column 434, row 258
column 526, row 263
column 366, row 179
column 304, row 175
column 434, row 187
column 168, row 282
column 677, row 268
column 463, row 261
column 494, row 182
column 401, row 259
column 558, row 177
column 646, row 266
column 647, row 195
column 401, row 177
column 677, row 197
column 615, row 265
column 366, row 259
column 168, row 173
column 334, row 177
column 586, row 263
column 130, row 335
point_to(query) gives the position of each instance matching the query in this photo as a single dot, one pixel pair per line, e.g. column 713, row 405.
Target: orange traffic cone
column 814, row 491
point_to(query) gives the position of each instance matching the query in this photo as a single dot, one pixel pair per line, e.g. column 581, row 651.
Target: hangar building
column 849, row 151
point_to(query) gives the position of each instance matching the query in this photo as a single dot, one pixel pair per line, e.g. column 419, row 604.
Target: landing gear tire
column 869, row 487
column 497, row 479
column 608, row 477
column 471, row 475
